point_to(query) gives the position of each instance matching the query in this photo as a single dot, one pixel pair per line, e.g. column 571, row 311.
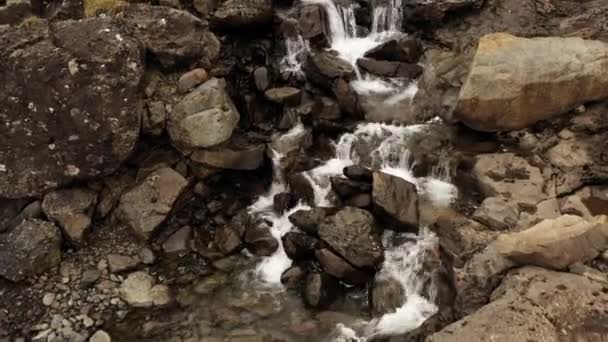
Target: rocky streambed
column 313, row 170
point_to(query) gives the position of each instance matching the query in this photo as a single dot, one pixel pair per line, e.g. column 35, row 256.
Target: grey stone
column 71, row 209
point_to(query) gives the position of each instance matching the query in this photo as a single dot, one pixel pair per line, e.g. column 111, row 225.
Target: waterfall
column 387, row 16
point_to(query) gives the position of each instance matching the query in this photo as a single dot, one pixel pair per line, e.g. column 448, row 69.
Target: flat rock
column 178, row 241
column 284, row 95
column 396, row 198
column 71, row 209
column 88, row 125
column 146, row 206
column 30, row 248
column 533, row 85
column 238, row 13
column 337, row 267
column 234, row 158
column 121, row 263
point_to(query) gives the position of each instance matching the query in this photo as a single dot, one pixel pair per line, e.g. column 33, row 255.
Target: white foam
column 440, row 193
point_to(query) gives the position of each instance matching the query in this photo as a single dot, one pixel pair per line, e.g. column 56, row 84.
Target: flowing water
column 375, row 145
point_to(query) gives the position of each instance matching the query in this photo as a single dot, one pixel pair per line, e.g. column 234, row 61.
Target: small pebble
column 48, row 299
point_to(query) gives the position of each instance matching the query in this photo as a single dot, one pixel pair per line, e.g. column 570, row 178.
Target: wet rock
column 9, row 213
column 249, row 157
column 260, row 241
column 358, row 173
column 291, row 145
column 113, row 189
column 205, row 117
column 390, row 69
column 386, row 295
column 155, row 118
column 312, row 23
column 320, row 290
column 359, row 201
column 348, row 99
column 436, row 10
column 352, row 233
column 299, row 246
column 326, row 108
column 293, row 277
column 147, row 205
column 396, row 198
column 121, row 263
column 205, row 7
column 171, row 36
column 178, row 241
column 261, row 78
column 528, row 87
column 345, row 187
column 238, row 13
column 139, row 291
column 308, row 220
column 30, row 248
column 337, row 267
column 69, row 134
column 191, row 79
column 508, row 175
column 555, row 243
column 284, row 201
column 285, row 95
column 100, row 336
column 227, row 239
column 534, row 304
column 402, row 49
column 301, row 187
column 71, row 209
column 324, row 68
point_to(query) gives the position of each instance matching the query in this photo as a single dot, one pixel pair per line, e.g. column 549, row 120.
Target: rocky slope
column 212, row 171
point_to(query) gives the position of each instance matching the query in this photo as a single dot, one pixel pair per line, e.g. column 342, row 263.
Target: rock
column 534, row 85
column 498, row 213
column 68, row 134
column 299, row 246
column 348, row 99
column 323, row 68
column 385, row 296
column 290, row 145
column 337, row 267
column 390, row 69
column 359, row 201
column 436, row 10
column 15, row 11
column 171, row 36
column 191, row 79
column 146, row 255
column 113, row 189
column 358, row 173
column 284, row 201
column 100, row 336
column 293, row 277
column 534, row 304
column 204, row 118
column 234, row 158
column 285, row 95
column 312, row 23
column 155, row 118
column 326, row 108
column 308, row 220
column 345, row 187
column 300, row 186
column 71, row 209
column 146, row 206
column 178, row 241
column 30, row 248
column 10, row 213
column 397, row 198
column 404, row 49
column 48, row 299
column 204, row 7
column 320, row 290
column 511, row 176
column 227, row 239
column 139, row 291
column 556, row 243
column 122, row 263
column 239, row 13
column 260, row 241
column 352, row 233
column 261, row 78
column 89, row 277
column 461, row 237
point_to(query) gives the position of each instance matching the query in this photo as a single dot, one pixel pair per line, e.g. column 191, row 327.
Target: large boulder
column 389, row 68
column 404, row 48
column 324, row 68
column 555, row 243
column 436, row 10
column 534, row 304
column 205, row 117
column 72, row 210
column 538, row 78
column 172, row 36
column 238, row 13
column 248, row 157
column 146, row 205
column 352, row 233
column 30, row 248
column 70, row 108
column 396, row 198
